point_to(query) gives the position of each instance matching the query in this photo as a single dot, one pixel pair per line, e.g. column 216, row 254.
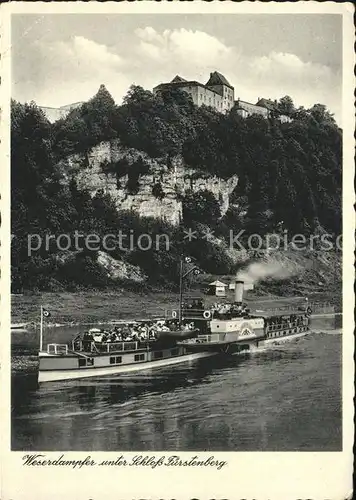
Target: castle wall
column 203, row 95
column 227, row 96
column 245, row 109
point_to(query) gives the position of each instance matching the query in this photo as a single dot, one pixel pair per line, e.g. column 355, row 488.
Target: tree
column 286, row 106
column 321, row 115
column 137, row 95
column 157, row 191
column 290, row 172
column 40, row 203
column 86, row 126
column 201, row 207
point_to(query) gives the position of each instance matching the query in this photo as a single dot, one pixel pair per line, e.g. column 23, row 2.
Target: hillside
column 156, row 188
column 161, row 166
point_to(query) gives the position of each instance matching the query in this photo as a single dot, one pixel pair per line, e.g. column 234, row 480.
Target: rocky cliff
column 174, row 179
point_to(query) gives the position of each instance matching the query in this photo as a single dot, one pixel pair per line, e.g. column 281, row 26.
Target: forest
column 290, row 177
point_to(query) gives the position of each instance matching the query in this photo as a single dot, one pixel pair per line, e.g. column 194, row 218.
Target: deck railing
column 57, row 349
column 104, row 347
column 192, row 313
column 286, row 325
column 316, row 307
column 202, row 339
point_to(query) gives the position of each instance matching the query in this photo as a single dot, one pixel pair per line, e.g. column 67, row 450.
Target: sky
column 59, row 59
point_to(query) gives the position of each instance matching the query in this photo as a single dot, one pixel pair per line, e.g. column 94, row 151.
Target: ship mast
column 180, row 290
column 41, row 330
column 183, row 275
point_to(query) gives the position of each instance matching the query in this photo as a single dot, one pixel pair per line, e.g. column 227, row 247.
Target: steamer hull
column 229, row 329
column 70, row 366
column 240, row 334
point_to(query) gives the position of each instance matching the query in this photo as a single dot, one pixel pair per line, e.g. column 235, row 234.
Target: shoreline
column 108, row 308
column 27, row 326
column 59, row 325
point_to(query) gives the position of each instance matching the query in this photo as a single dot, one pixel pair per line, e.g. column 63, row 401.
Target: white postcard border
column 249, row 475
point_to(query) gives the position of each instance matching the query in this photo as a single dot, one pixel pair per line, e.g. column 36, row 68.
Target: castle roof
column 267, row 103
column 248, row 106
column 178, row 84
column 183, row 84
column 178, row 79
column 217, row 78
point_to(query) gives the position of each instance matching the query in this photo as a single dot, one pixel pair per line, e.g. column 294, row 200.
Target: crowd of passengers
column 286, row 322
column 131, row 332
column 229, row 310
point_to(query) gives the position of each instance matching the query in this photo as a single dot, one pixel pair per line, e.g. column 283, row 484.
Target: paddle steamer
column 227, row 330
column 93, row 359
column 233, row 329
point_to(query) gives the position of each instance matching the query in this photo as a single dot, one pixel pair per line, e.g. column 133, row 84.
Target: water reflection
column 283, row 398
column 86, row 397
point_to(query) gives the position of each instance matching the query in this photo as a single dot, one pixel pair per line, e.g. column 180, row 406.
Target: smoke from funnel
column 260, row 270
column 239, row 291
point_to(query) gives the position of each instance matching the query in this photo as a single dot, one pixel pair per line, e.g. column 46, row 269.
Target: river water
column 284, row 398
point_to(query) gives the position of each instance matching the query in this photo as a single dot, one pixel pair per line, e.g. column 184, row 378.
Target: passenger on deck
column 152, row 333
column 97, row 336
column 76, row 342
column 134, row 333
column 87, row 341
column 159, row 325
column 173, row 326
column 126, row 331
column 143, row 332
column 112, row 337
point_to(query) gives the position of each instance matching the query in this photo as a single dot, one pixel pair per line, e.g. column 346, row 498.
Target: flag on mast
column 46, row 313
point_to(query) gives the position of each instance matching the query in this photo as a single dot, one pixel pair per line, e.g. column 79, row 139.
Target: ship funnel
column 239, row 291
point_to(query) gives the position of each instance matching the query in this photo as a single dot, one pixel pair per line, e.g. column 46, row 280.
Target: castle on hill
column 220, row 95
column 217, row 93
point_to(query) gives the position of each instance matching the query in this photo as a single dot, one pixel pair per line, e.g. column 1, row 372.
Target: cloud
column 65, row 71
column 281, row 59
column 72, row 70
column 149, row 34
column 189, row 48
column 278, row 74
column 193, row 54
column 287, row 66
column 84, row 48
column 82, row 54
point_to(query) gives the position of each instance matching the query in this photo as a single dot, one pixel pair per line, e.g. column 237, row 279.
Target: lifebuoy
column 207, row 314
column 174, row 314
column 191, row 325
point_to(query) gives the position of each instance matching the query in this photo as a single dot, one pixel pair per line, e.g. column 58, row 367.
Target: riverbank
column 68, row 308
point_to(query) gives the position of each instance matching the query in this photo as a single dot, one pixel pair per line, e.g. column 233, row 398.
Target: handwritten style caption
column 41, row 460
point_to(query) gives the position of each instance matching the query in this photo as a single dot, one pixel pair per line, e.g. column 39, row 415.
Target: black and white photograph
column 177, row 263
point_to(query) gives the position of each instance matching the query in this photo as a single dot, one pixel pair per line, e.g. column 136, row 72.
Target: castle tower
column 218, row 83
